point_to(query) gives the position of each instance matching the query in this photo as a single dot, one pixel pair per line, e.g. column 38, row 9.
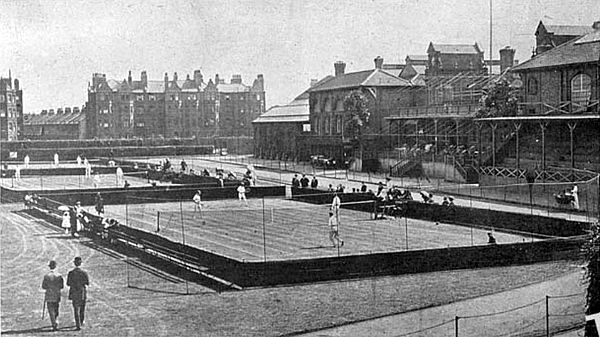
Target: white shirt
column 241, row 189
column 197, row 198
column 335, row 204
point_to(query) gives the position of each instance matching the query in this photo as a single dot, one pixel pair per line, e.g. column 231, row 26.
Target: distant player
column 56, row 161
column 96, row 180
column 78, row 161
column 242, row 193
column 335, row 206
column 119, row 174
column 26, row 161
column 491, row 239
column 197, row 201
column 334, row 235
column 18, row 173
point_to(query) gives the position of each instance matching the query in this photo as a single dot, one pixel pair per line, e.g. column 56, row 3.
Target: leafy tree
column 356, row 103
column 500, row 99
column 592, row 255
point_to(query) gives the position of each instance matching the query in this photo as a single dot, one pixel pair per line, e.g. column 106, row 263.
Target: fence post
column 547, row 318
column 455, row 326
column 182, row 226
column 264, row 231
column 157, row 221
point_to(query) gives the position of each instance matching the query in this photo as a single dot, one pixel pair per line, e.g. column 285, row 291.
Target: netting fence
column 546, row 316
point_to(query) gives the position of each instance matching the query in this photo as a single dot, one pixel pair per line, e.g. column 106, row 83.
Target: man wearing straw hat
column 53, row 282
column 77, row 280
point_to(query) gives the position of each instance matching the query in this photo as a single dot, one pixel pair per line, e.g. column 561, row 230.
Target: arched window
column 532, row 86
column 581, row 89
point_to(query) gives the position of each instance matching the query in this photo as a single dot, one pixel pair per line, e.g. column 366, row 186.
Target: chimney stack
column 596, row 25
column 217, row 80
column 237, row 79
column 144, row 78
column 166, row 79
column 129, row 78
column 378, row 62
column 340, row 67
column 175, row 76
column 507, row 58
column 198, row 77
column 313, row 82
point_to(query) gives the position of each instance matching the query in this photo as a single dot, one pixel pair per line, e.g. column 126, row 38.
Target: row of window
column 173, row 97
column 328, row 125
column 9, row 98
column 581, row 88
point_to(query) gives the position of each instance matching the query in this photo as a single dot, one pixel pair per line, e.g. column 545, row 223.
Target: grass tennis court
column 281, row 229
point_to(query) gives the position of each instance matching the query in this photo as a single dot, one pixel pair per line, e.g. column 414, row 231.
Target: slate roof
column 232, row 87
column 63, row 118
column 454, row 48
column 366, row 78
column 296, row 112
column 568, row 30
column 571, row 52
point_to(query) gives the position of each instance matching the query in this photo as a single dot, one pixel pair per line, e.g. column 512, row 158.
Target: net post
column 182, row 226
column 547, row 318
column 456, row 326
column 157, row 221
column 264, row 231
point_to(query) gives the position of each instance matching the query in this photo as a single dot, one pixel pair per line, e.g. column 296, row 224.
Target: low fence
column 140, row 195
column 70, row 153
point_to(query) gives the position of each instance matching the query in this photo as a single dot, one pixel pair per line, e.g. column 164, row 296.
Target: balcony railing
column 558, row 108
column 466, row 110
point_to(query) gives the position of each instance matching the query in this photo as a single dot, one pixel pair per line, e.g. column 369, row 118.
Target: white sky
column 55, row 46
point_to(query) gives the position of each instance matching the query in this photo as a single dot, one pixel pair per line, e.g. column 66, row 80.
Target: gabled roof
column 154, row 87
column 571, row 52
column 62, row 118
column 232, row 87
column 306, row 92
column 568, row 30
column 453, row 48
column 366, row 78
column 589, row 38
column 296, row 112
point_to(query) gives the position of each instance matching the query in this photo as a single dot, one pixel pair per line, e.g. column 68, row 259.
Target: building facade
column 67, row 123
column 11, row 109
column 172, row 107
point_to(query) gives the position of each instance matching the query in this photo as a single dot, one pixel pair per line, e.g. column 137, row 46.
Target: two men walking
column 53, row 283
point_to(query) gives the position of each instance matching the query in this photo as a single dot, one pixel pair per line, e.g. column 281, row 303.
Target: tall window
column 581, row 89
column 532, row 86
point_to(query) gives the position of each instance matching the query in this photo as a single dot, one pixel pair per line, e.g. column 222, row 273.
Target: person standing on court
column 304, row 181
column 197, row 201
column 78, row 161
column 53, row 282
column 119, row 174
column 78, row 280
column 26, row 161
column 314, row 183
column 334, row 235
column 335, row 206
column 18, row 173
column 56, row 161
column 242, row 193
column 295, row 181
column 99, row 204
column 575, row 195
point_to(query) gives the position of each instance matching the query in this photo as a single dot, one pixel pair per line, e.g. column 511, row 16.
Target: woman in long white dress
column 66, row 222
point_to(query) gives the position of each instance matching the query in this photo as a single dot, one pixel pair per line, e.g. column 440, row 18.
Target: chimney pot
column 340, row 68
column 596, row 25
column 378, row 62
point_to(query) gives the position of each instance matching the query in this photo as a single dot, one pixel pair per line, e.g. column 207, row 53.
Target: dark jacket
column 77, row 280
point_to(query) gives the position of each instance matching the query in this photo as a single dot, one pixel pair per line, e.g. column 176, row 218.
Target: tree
column 356, row 103
column 500, row 99
column 592, row 256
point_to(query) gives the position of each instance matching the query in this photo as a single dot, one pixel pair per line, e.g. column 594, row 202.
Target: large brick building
column 11, row 109
column 65, row 123
column 172, row 107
